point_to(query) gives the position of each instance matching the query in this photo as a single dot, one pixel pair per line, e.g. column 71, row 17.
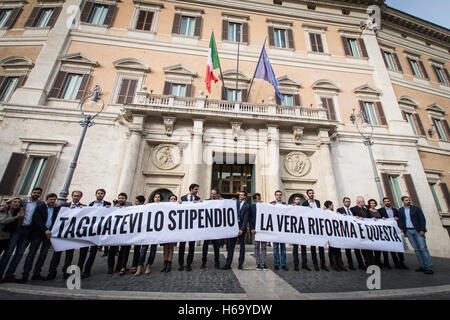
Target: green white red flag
column 213, row 63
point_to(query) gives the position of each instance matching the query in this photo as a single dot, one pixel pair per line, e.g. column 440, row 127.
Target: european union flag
column 264, row 71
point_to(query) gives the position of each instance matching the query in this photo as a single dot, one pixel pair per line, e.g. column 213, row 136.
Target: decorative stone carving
column 298, row 134
column 168, row 123
column 235, row 128
column 166, row 156
column 297, row 164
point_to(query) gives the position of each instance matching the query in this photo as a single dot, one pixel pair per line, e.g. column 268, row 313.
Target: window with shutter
column 316, row 42
column 8, row 86
column 280, row 38
column 446, row 194
column 271, row 36
column 187, row 27
column 31, row 21
column 440, row 74
column 12, row 17
column 54, row 17
column 12, row 173
column 99, row 13
column 380, row 113
column 328, row 104
column 419, row 124
column 145, row 20
column 33, row 175
column 72, row 86
column 127, row 91
column 388, row 189
column 398, row 65
column 234, row 32
column 411, row 190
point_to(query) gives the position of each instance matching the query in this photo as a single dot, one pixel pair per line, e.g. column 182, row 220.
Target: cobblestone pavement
column 322, row 281
column 210, row 280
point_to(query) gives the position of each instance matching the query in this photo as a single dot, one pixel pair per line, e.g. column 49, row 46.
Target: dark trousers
column 57, row 257
column 369, row 257
column 377, row 257
column 190, row 256
column 35, row 243
column 17, row 245
column 241, row 250
column 215, row 244
column 151, row 257
column 112, row 256
column 295, row 254
column 123, row 256
column 4, row 245
column 90, row 261
column 398, row 258
column 359, row 257
column 321, row 255
column 136, row 253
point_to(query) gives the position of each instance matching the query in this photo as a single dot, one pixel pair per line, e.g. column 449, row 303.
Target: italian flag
column 213, row 63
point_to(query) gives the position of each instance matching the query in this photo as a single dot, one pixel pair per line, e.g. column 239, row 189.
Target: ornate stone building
column 161, row 130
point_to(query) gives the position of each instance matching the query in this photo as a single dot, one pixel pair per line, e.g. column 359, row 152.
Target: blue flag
column 264, row 71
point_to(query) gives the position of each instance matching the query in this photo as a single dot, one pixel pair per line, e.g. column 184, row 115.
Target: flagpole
column 237, row 71
column 251, row 83
column 220, row 66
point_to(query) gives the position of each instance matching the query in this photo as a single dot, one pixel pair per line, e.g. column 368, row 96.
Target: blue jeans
column 34, row 247
column 19, row 241
column 276, row 254
column 419, row 244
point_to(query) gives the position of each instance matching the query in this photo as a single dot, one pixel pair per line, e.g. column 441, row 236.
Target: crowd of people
column 27, row 223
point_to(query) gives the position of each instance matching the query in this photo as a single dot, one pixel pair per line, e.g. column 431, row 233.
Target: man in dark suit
column 360, row 210
column 282, row 246
column 86, row 270
column 75, row 203
column 260, row 247
column 297, row 202
column 191, row 197
column 215, row 243
column 413, row 224
column 40, row 234
column 346, row 211
column 313, row 203
column 243, row 209
column 19, row 238
column 389, row 212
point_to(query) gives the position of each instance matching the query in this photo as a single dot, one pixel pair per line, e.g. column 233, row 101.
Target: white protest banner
column 153, row 223
column 317, row 227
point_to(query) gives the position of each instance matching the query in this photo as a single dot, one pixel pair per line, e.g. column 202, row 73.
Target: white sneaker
column 258, row 267
column 265, row 268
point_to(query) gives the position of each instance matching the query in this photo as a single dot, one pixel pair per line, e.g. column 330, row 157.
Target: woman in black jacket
column 10, row 217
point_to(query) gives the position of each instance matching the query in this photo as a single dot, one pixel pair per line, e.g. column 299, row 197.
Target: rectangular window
column 33, row 176
column 187, row 26
column 145, row 20
column 234, row 32
column 179, row 90
column 415, row 68
column 389, row 60
column 397, row 192
column 316, row 42
column 127, row 91
column 280, row 38
column 44, row 17
column 232, row 96
column 72, row 86
column 288, row 100
column 99, row 14
column 4, row 16
column 410, row 119
column 439, row 129
column 435, row 196
column 8, row 88
column 370, row 113
column 440, row 74
column 353, row 47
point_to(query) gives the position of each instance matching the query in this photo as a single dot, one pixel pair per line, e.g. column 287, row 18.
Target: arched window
column 291, row 198
column 165, row 193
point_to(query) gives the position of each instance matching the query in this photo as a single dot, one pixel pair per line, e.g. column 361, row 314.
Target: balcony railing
column 155, row 100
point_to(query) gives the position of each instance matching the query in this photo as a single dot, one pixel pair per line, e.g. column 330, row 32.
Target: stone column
column 39, row 80
column 131, row 156
column 272, row 162
column 328, row 181
column 383, row 82
column 195, row 167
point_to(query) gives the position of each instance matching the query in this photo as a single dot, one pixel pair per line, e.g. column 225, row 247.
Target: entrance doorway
column 164, row 193
column 230, row 179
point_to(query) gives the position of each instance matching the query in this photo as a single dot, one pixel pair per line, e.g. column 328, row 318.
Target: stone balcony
column 221, row 110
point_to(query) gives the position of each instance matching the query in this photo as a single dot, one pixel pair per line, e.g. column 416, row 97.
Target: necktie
column 348, row 211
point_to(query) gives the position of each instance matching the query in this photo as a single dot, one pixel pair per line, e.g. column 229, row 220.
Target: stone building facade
column 161, row 130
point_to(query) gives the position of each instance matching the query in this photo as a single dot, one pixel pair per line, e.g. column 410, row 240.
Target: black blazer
column 306, row 203
column 105, row 203
column 417, row 218
column 38, row 228
column 68, row 204
column 364, row 213
column 342, row 210
column 243, row 215
column 384, row 213
column 252, row 216
column 185, row 198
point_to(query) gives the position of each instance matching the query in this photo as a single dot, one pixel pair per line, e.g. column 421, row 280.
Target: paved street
column 210, row 283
